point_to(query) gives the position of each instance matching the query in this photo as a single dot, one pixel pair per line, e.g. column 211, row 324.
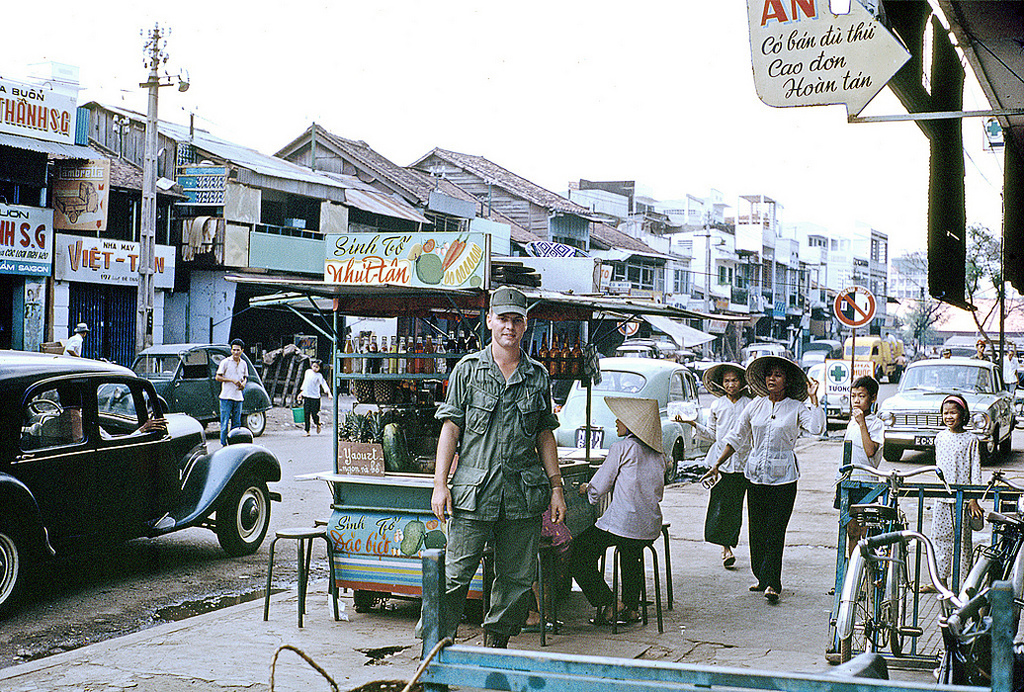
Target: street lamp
column 155, row 56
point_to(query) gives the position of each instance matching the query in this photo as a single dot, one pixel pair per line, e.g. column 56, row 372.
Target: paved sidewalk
column 716, row 620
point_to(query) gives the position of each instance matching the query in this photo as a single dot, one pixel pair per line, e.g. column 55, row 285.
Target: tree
column 917, row 324
column 983, row 273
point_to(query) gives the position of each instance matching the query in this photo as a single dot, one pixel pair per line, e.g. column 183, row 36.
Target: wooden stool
column 303, row 538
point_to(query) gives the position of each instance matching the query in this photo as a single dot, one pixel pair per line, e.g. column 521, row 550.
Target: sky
column 657, row 92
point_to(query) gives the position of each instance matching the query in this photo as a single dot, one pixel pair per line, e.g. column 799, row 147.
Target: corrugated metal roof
column 71, row 151
column 377, row 203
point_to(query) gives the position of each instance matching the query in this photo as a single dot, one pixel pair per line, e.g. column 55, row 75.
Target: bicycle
column 884, row 554
column 880, row 611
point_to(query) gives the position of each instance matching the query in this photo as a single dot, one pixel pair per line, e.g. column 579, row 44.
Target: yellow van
column 886, row 354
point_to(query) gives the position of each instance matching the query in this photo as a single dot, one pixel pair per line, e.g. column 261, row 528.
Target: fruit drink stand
column 381, row 519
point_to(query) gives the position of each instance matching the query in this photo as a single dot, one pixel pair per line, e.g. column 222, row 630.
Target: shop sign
column 717, row 326
column 547, row 248
column 26, row 240
column 384, row 534
column 101, row 261
column 434, row 260
column 81, row 194
column 837, row 376
column 31, row 111
column 360, row 458
column 203, row 185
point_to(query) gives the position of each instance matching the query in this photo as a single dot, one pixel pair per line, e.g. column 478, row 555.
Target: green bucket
column 299, row 414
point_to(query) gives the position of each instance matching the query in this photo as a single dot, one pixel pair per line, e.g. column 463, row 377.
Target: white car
column 670, row 383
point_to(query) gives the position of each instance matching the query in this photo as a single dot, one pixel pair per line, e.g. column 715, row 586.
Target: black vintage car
column 184, row 375
column 79, row 467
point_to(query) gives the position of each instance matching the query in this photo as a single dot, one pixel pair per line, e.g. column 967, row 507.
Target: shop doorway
column 110, row 313
column 7, row 284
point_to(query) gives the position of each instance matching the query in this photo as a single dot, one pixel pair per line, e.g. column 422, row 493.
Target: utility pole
column 155, row 56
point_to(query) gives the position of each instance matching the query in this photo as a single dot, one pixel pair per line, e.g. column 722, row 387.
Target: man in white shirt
column 74, row 345
column 232, row 373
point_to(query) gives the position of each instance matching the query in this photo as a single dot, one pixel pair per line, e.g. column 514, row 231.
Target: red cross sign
column 854, row 306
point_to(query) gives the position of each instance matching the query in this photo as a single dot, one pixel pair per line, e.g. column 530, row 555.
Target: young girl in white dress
column 958, row 457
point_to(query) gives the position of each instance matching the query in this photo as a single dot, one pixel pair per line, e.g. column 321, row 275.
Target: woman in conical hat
column 727, row 382
column 771, row 424
column 635, row 470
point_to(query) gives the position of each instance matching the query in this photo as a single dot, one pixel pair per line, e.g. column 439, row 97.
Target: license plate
column 924, row 441
column 596, row 437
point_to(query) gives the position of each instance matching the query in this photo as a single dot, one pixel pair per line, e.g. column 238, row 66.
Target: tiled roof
column 362, row 153
column 510, row 182
column 127, row 175
column 611, row 238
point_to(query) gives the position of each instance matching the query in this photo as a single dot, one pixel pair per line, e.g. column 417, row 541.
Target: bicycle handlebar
column 969, row 610
column 873, row 542
column 997, row 476
column 895, row 473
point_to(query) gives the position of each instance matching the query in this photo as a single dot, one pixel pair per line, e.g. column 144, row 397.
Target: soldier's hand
column 441, row 502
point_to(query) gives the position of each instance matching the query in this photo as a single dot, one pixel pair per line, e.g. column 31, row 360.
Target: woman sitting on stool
column 634, row 472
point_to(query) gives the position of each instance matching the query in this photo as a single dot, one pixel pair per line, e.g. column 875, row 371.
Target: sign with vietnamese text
column 102, row 261
column 803, row 55
column 203, row 185
column 81, row 193
column 837, row 376
column 854, row 306
column 26, row 240
column 360, row 458
column 434, row 260
column 384, row 534
column 37, row 112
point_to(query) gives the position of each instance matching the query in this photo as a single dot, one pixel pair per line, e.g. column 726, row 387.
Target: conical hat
column 714, row 375
column 641, row 416
column 796, row 379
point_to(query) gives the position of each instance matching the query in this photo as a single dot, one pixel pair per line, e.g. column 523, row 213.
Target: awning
column 72, row 151
column 377, row 203
column 685, row 336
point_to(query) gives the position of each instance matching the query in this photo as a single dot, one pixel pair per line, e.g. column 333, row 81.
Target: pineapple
column 375, row 427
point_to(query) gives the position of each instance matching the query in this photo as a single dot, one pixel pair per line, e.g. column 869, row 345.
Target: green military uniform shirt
column 499, row 423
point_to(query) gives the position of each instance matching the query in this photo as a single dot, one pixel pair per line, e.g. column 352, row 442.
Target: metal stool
column 668, row 563
column 304, row 544
column 649, row 546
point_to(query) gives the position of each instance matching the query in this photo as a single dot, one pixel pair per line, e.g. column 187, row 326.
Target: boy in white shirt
column 866, row 432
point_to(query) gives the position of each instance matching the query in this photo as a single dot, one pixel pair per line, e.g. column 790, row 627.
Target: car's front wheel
column 256, row 422
column 12, row 568
column 243, row 516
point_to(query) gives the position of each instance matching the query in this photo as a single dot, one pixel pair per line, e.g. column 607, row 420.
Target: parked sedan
column 184, row 375
column 912, row 416
column 671, row 384
column 80, row 465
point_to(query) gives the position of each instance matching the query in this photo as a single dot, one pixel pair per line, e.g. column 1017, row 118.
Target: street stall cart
column 382, row 476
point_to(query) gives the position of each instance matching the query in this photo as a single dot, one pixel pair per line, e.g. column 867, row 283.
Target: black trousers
column 725, row 510
column 769, row 508
column 311, row 407
column 587, row 549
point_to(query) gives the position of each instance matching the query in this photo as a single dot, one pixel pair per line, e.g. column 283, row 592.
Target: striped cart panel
column 401, row 575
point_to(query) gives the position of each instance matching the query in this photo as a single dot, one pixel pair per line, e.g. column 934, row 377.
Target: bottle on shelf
column 554, row 357
column 373, row 348
column 461, row 346
column 418, row 368
column 403, row 364
column 359, row 364
column 577, row 360
column 533, row 349
column 346, row 362
column 566, row 365
column 393, row 362
column 472, row 342
column 452, row 346
column 428, row 348
column 440, row 364
column 542, row 354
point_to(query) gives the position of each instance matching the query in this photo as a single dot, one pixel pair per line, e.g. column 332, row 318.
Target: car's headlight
column 888, row 418
column 980, row 421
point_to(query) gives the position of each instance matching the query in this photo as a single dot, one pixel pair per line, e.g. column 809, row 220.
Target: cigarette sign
column 854, row 306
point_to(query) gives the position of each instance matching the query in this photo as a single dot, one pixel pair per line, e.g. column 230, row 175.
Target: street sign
column 803, row 55
column 837, row 376
column 854, row 306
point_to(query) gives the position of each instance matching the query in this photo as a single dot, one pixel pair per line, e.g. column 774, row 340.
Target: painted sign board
column 435, row 260
column 37, row 112
column 803, row 55
column 26, row 240
column 854, row 306
column 102, row 261
column 203, row 185
column 81, row 194
column 837, row 376
column 360, row 458
column 547, row 248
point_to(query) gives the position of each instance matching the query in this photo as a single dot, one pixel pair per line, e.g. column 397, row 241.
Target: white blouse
column 959, row 458
column 771, row 428
column 722, row 418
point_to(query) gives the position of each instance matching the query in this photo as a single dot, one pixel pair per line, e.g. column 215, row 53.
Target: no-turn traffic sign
column 854, row 306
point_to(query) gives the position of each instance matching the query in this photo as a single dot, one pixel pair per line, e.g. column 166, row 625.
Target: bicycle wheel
column 862, row 637
column 897, row 608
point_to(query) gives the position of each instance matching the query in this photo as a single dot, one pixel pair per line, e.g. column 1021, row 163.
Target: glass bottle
column 472, row 342
column 566, row 368
column 577, row 360
column 440, row 364
column 428, row 363
column 359, row 364
column 554, row 357
column 418, row 367
column 346, row 363
column 462, row 346
column 402, row 361
column 373, row 348
column 542, row 354
column 533, row 349
column 452, row 346
column 393, row 362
